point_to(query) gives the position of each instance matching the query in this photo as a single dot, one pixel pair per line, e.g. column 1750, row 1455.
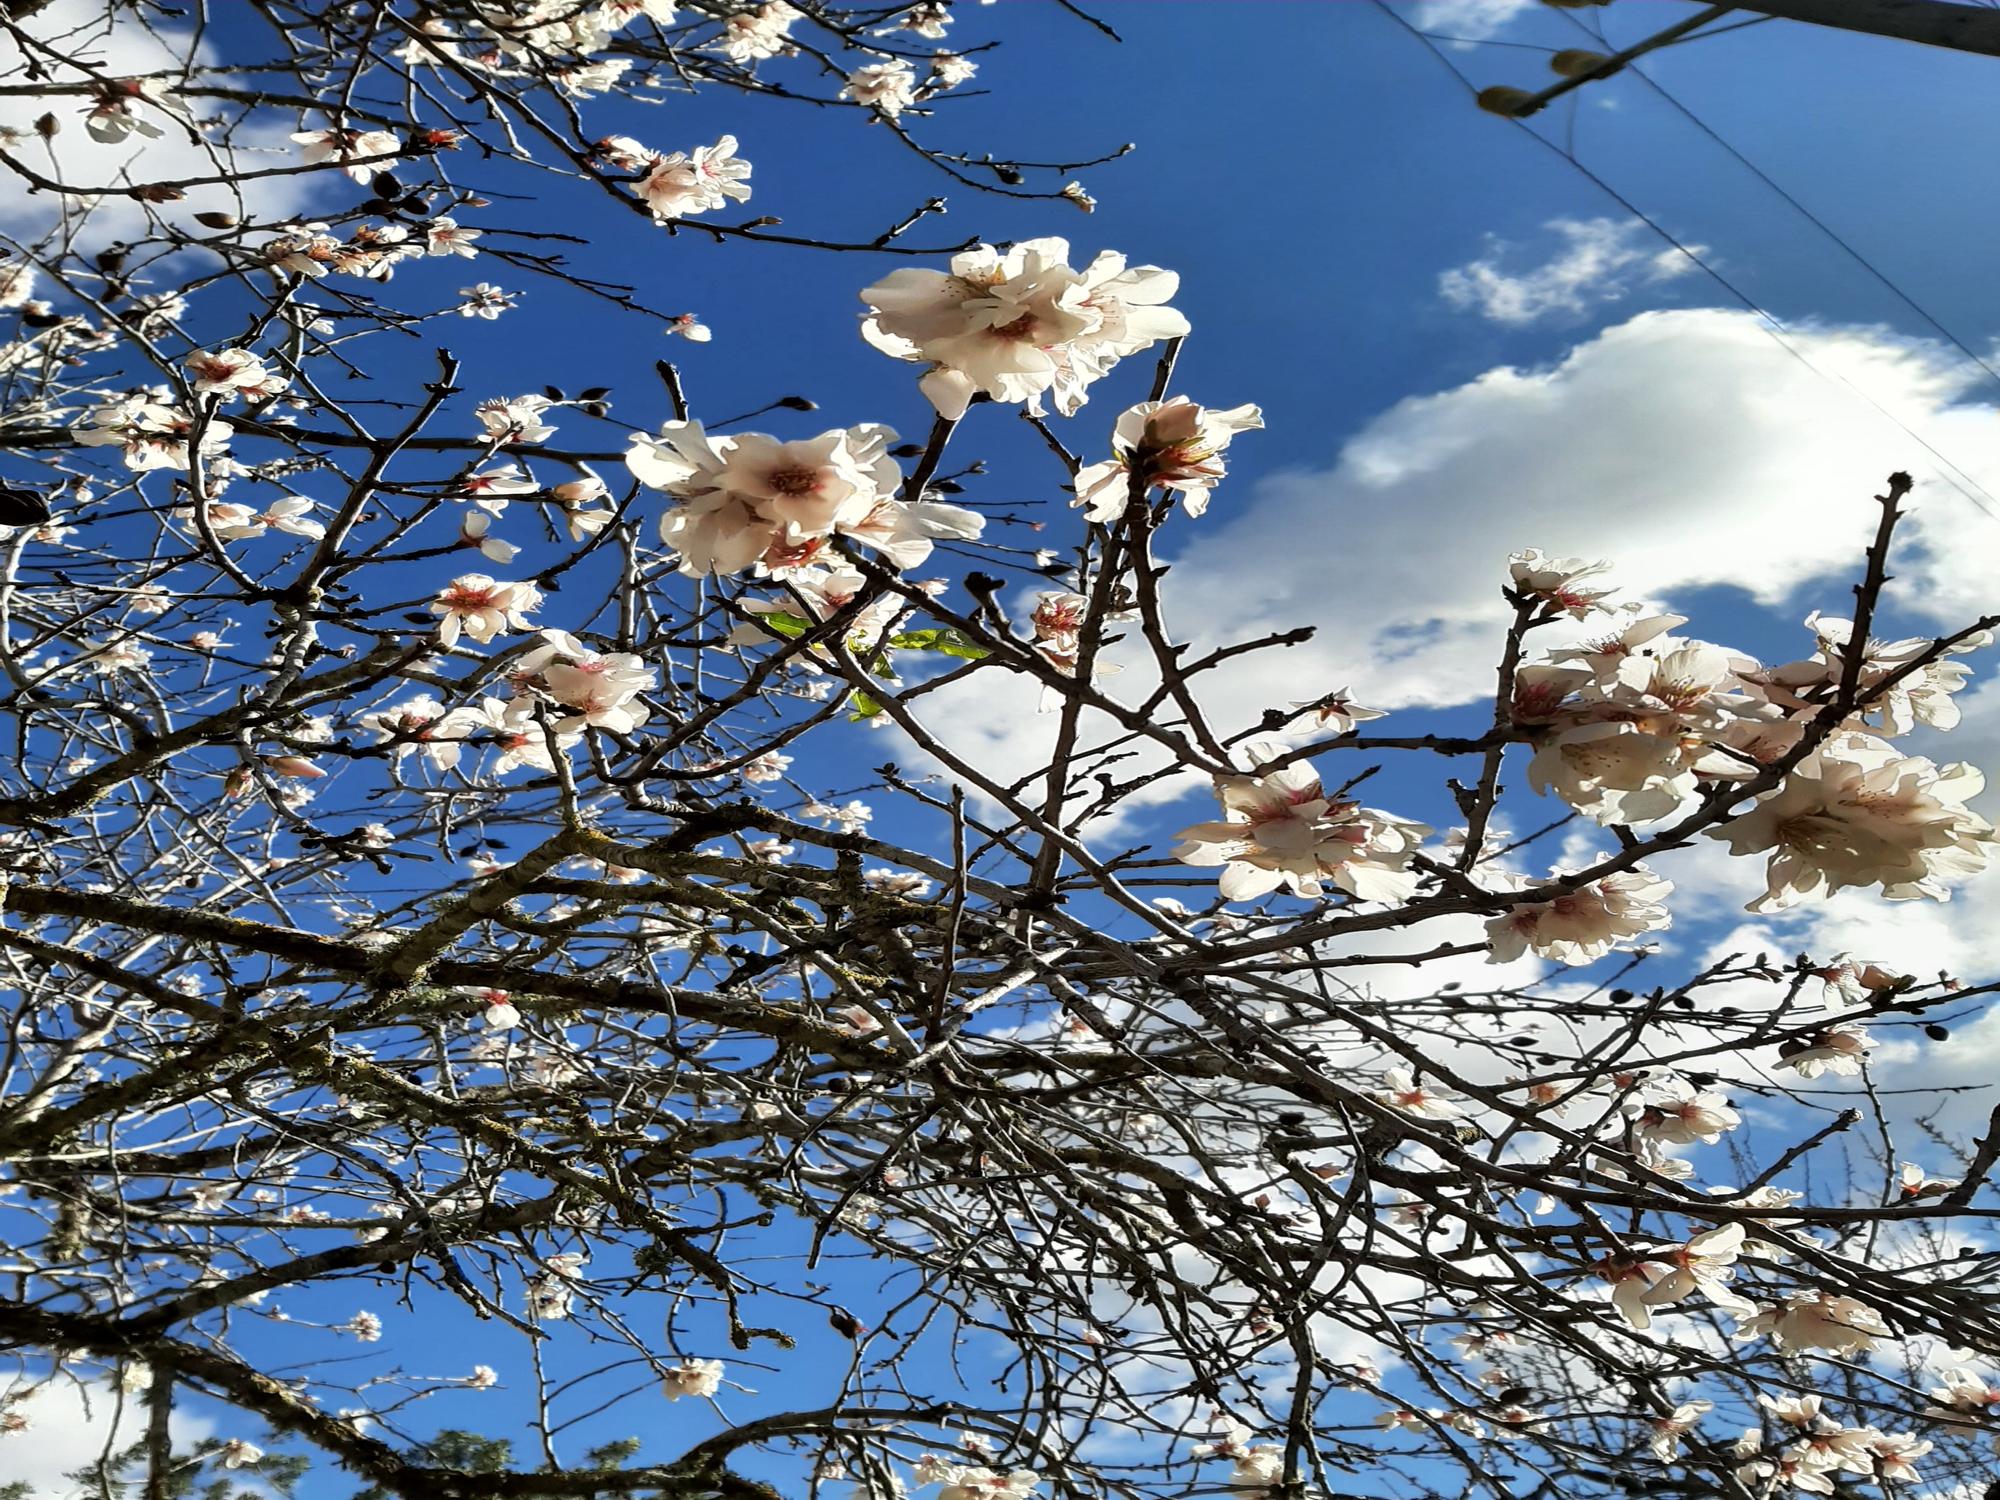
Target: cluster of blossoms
column 372, row 251
column 551, row 1292
column 154, row 433
column 680, row 184
column 361, row 154
column 1818, row 1320
column 1668, row 1110
column 1638, row 727
column 556, row 39
column 1810, row 1453
column 1283, row 830
column 231, row 522
column 975, row 1481
column 1664, row 1110
column 1020, row 324
column 490, row 490
column 588, row 689
column 558, row 689
column 1641, row 1282
column 1585, row 924
column 563, row 40
column 1856, row 812
column 1258, row 1466
column 750, row 500
column 1813, row 1461
column 754, row 34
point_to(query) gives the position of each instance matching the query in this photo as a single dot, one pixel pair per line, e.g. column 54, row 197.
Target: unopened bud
column 1574, row 62
column 1504, row 101
column 47, row 125
column 216, row 219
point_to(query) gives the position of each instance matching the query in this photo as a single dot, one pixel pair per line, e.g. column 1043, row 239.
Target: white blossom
column 1855, row 812
column 1019, row 325
column 693, row 1377
column 1584, row 924
column 1283, row 830
column 1173, row 445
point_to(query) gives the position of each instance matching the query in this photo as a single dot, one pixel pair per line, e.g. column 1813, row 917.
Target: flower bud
column 1504, row 101
column 1574, row 62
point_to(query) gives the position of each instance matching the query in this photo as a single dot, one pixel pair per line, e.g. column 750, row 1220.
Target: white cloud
column 71, row 1426
column 1467, row 20
column 122, row 48
column 1689, row 447
column 1597, row 261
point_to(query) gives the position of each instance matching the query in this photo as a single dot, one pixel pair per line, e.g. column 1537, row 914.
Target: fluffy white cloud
column 121, row 47
column 1596, row 261
column 1689, row 447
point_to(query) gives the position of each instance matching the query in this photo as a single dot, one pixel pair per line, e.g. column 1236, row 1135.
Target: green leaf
column 791, row 627
column 865, row 706
column 950, row 640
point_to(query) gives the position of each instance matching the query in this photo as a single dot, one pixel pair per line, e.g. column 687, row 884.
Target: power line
column 1975, row 493
column 1812, row 218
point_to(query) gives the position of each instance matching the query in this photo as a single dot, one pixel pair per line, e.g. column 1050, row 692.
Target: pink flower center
column 793, row 481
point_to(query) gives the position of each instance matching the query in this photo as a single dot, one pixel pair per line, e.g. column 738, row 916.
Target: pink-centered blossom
column 481, row 607
column 1283, row 830
column 1021, row 324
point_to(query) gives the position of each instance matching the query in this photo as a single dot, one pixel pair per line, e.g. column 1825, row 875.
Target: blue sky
column 1312, row 171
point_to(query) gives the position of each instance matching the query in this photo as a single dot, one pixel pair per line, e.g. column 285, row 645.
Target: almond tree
column 432, row 906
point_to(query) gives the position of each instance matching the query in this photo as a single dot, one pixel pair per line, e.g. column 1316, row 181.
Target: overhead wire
column 1954, row 475
column 1833, row 235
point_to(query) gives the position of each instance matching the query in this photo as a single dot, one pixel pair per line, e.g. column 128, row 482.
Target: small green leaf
column 950, row 640
column 791, row 627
